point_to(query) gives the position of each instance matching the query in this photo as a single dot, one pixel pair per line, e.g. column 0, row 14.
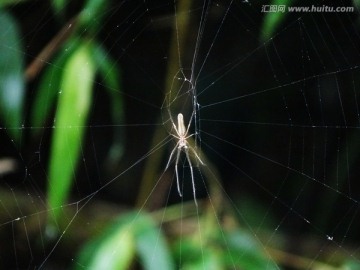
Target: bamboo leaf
column 273, row 19
column 59, row 6
column 11, row 76
column 351, row 265
column 151, row 245
column 252, row 255
column 132, row 234
column 115, row 249
column 71, row 116
column 92, row 14
column 49, row 86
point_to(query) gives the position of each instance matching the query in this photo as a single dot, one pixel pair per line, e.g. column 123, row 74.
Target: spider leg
column 171, row 119
column 192, row 174
column 197, row 156
column 176, row 166
column 176, row 172
column 172, row 153
column 176, row 130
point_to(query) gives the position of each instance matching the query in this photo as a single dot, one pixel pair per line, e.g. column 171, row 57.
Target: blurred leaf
column 151, row 245
column 356, row 3
column 246, row 253
column 112, row 78
column 188, row 253
column 71, row 115
column 59, row 6
column 115, row 249
column 272, row 20
column 212, row 260
column 10, row 2
column 92, row 14
column 193, row 254
column 255, row 213
column 11, row 75
column 223, row 250
column 351, row 265
column 49, row 86
column 117, row 246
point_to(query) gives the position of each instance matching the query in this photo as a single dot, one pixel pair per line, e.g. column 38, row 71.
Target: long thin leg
column 192, row 175
column 196, row 155
column 176, row 172
column 172, row 153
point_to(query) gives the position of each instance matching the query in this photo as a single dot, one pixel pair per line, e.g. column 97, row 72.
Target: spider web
column 276, row 122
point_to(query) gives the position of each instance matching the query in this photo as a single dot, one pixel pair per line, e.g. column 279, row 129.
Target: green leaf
column 253, row 211
column 223, row 250
column 351, row 265
column 356, row 3
column 4, row 3
column 111, row 76
column 117, row 246
column 208, row 259
column 272, row 20
column 92, row 14
column 59, row 6
column 49, row 87
column 193, row 254
column 151, row 245
column 246, row 253
column 11, row 76
column 71, row 116
column 115, row 249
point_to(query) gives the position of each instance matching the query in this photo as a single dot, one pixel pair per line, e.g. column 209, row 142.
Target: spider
column 181, row 133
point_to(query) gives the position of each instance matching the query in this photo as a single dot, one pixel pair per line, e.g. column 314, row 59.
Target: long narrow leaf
column 273, row 18
column 49, row 87
column 115, row 249
column 71, row 116
column 92, row 14
column 151, row 245
column 11, row 76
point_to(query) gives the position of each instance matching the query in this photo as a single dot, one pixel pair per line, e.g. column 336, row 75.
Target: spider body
column 181, row 134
